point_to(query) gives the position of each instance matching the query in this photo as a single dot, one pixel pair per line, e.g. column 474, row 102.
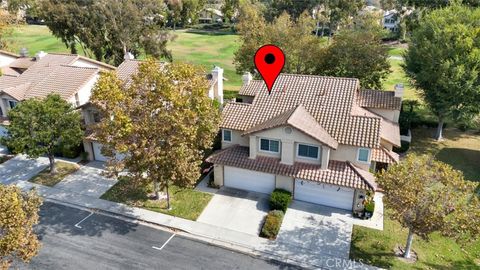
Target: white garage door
column 97, row 152
column 249, row 180
column 320, row 193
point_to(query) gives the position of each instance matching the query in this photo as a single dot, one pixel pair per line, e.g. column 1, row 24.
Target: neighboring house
column 315, row 136
column 71, row 76
column 391, row 20
column 125, row 72
column 210, row 15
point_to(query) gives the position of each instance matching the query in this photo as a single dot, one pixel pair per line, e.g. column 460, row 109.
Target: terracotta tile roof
column 384, row 156
column 389, row 131
column 127, row 69
column 300, row 119
column 329, row 100
column 379, row 99
column 22, row 63
column 9, row 71
column 251, row 89
column 50, row 74
column 338, row 173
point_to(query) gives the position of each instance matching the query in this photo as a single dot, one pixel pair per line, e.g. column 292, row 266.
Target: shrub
column 272, row 224
column 280, row 199
column 370, row 206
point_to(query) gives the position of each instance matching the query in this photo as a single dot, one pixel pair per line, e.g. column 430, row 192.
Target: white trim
column 223, row 135
column 312, row 145
column 368, row 158
column 268, row 151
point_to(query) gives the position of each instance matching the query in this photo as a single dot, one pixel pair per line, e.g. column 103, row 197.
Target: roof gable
column 300, row 119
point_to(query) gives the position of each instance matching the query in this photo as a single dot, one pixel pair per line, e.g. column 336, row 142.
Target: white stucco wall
column 6, row 60
column 237, row 138
column 85, row 92
column 288, row 144
column 391, row 115
column 349, row 153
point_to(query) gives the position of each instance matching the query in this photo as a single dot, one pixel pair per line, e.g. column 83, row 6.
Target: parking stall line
column 164, row 244
column 78, row 224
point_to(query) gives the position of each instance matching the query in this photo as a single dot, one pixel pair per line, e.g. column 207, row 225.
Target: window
column 227, row 135
column 270, row 145
column 12, row 104
column 308, row 151
column 96, row 117
column 363, row 154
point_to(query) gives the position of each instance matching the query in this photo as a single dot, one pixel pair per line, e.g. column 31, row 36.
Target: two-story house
column 71, row 76
column 315, row 136
column 125, row 72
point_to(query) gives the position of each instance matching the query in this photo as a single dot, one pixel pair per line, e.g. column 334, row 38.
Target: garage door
column 320, row 193
column 97, row 152
column 249, row 180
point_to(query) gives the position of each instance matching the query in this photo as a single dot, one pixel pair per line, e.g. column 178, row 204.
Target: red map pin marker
column 269, row 61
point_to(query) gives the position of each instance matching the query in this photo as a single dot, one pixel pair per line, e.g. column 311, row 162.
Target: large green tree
column 443, row 61
column 5, row 22
column 18, row 215
column 109, row 29
column 39, row 126
column 425, row 196
column 162, row 123
column 294, row 38
column 356, row 53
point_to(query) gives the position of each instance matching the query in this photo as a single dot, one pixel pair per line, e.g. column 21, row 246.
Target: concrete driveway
column 314, row 231
column 237, row 210
column 21, row 168
column 88, row 180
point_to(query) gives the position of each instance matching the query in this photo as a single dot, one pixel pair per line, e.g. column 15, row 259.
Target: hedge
column 280, row 199
column 272, row 224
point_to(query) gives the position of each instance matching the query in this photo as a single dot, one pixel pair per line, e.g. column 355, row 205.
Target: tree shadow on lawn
column 60, row 219
column 465, row 160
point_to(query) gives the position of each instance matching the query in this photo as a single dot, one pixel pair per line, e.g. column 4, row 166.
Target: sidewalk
column 212, row 234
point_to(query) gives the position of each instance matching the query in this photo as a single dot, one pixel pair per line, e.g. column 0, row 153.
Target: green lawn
column 398, row 76
column 185, row 202
column 63, row 169
column 208, row 50
column 376, row 248
column 35, row 38
column 459, row 149
column 396, row 51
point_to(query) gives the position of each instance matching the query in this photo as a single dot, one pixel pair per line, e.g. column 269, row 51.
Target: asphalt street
column 77, row 239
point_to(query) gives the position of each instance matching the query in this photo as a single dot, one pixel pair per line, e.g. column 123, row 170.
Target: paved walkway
column 88, row 180
column 21, row 168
